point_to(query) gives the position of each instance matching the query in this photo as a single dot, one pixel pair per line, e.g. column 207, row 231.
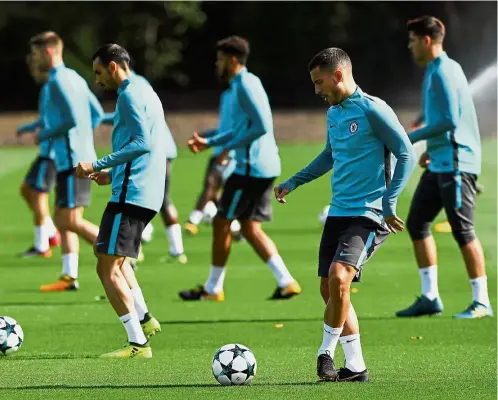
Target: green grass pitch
column 64, row 332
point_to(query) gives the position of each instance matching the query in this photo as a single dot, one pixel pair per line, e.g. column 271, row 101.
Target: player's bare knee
column 249, row 229
column 25, row 191
column 221, row 224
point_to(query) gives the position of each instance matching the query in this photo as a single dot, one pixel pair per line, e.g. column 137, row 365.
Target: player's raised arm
column 447, row 105
column 30, row 127
column 59, row 96
column 388, row 129
column 137, row 125
column 322, row 164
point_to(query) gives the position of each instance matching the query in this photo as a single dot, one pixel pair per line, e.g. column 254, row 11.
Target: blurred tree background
column 172, row 44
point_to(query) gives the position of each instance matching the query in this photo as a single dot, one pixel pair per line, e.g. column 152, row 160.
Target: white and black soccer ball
column 322, row 217
column 11, row 336
column 234, row 364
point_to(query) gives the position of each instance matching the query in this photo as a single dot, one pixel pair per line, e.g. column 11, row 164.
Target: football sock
column 210, row 210
column 133, row 329
column 147, row 232
column 480, row 290
column 138, row 299
column 41, row 238
column 280, row 271
column 330, row 339
column 51, row 229
column 214, row 284
column 235, row 226
column 70, row 265
column 195, row 217
column 174, row 233
column 352, row 351
column 428, row 277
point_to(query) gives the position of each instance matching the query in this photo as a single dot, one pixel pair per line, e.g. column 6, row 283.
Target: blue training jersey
column 71, row 114
column 251, row 132
column 451, row 128
column 362, row 131
column 171, row 149
column 138, row 160
column 46, row 149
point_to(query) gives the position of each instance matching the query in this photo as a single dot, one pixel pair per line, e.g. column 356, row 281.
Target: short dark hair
column 427, row 26
column 112, row 52
column 235, row 46
column 47, row 39
column 332, row 58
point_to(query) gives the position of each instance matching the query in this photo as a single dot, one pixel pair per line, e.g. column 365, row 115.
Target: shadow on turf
column 170, row 386
column 280, row 320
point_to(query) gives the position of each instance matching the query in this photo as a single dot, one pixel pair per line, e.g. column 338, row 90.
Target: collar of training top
column 438, row 59
column 123, row 86
column 239, row 75
column 56, row 68
column 357, row 93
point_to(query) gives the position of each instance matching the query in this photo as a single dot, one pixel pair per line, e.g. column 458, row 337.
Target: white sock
column 280, row 271
column 139, row 301
column 51, row 229
column 330, row 339
column 174, row 233
column 235, row 226
column 147, row 232
column 352, row 351
column 196, row 217
column 480, row 290
column 41, row 238
column 133, row 328
column 70, row 265
column 210, row 210
column 214, row 284
column 428, row 276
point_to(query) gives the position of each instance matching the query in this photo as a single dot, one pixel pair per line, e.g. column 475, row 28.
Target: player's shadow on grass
column 166, row 386
column 42, row 303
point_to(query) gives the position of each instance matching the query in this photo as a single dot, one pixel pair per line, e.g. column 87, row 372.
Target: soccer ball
column 234, row 364
column 322, row 217
column 11, row 336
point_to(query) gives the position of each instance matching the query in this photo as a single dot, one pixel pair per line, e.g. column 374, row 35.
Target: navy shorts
column 349, row 240
column 41, row 175
column 121, row 229
column 246, row 198
column 71, row 191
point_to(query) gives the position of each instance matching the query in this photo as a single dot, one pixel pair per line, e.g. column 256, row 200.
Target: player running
column 247, row 193
column 219, row 168
column 71, row 114
column 361, row 132
column 136, row 169
column 454, row 152
column 40, row 178
column 168, row 210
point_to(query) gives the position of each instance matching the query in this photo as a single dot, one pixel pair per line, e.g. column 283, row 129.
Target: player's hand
column 84, row 169
column 424, row 160
column 394, row 224
column 197, row 143
column 101, row 178
column 222, row 159
column 280, row 193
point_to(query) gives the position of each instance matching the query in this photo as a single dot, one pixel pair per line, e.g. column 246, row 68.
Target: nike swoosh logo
column 128, row 320
column 99, row 243
column 331, row 126
column 349, row 341
column 346, row 254
column 446, row 184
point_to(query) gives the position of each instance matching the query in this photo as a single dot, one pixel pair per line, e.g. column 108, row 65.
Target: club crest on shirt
column 353, row 128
